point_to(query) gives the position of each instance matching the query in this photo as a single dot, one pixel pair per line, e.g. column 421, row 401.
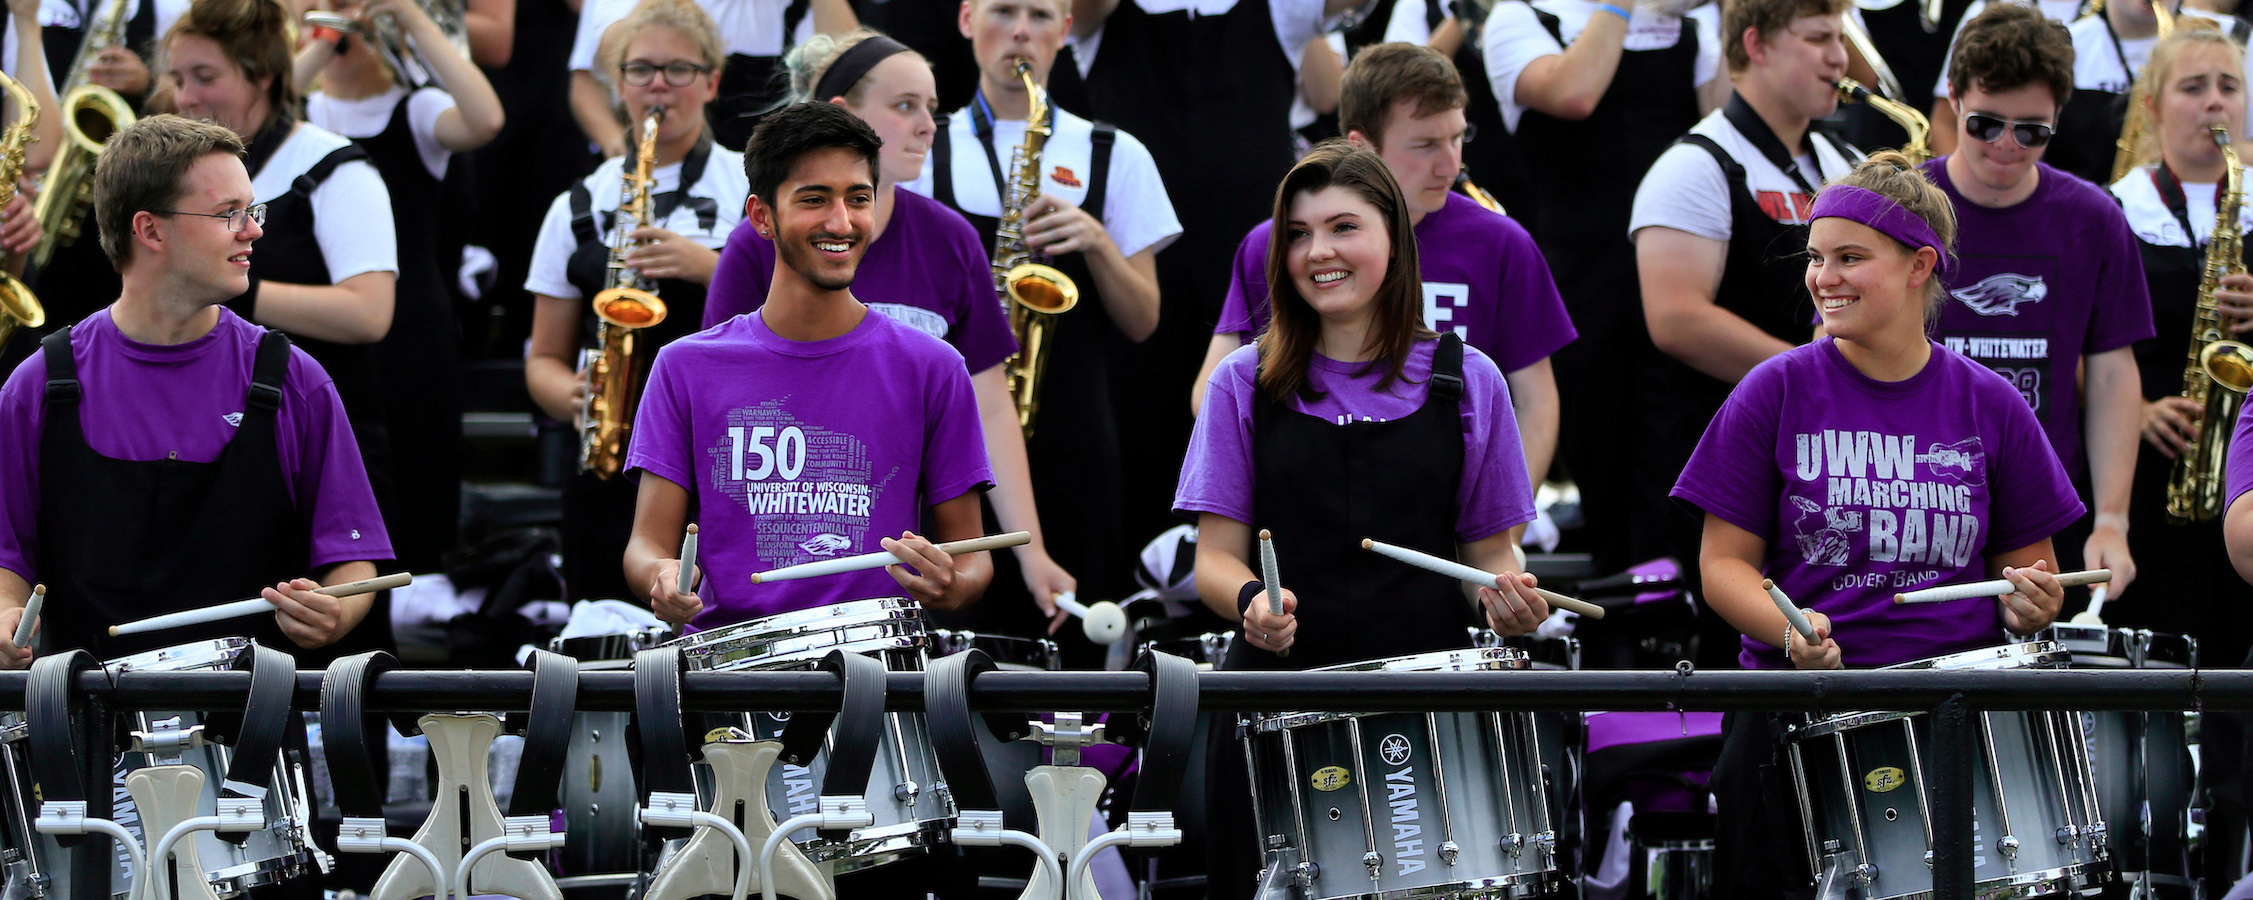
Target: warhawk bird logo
column 2001, row 295
column 825, row 544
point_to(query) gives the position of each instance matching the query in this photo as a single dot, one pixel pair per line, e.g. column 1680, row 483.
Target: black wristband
column 1251, row 591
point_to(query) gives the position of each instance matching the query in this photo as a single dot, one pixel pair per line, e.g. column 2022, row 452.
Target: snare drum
column 281, row 852
column 1012, row 653
column 2145, row 778
column 910, row 813
column 1404, row 804
column 599, row 791
column 2036, row 827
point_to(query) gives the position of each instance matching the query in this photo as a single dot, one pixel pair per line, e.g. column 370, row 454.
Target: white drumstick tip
column 2094, row 614
column 687, row 583
column 30, row 614
column 1102, row 621
column 1790, row 610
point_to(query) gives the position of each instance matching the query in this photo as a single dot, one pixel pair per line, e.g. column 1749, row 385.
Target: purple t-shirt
column 2237, row 474
column 2040, row 285
column 1493, row 495
column 927, row 270
column 150, row 402
column 1483, row 279
column 1883, row 488
column 794, row 451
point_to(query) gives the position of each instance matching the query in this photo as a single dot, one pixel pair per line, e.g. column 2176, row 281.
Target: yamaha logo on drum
column 1394, row 749
column 1400, row 791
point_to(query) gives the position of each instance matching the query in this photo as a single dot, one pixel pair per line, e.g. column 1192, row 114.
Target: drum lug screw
column 1448, row 851
column 2009, row 846
column 1374, row 861
column 2066, row 834
column 1335, row 814
column 1306, row 873
column 906, row 792
column 1928, row 859
column 1892, row 815
column 1864, row 874
column 1512, row 842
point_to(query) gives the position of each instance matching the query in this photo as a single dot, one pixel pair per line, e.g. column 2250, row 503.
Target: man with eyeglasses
column 666, row 54
column 165, row 453
column 2049, row 290
column 1720, row 230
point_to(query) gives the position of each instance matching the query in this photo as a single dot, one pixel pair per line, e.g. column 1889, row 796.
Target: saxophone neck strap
column 2171, row 193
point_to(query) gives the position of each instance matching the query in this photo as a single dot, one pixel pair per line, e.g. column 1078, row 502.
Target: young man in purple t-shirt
column 808, row 429
column 2051, row 290
column 1483, row 277
column 164, row 454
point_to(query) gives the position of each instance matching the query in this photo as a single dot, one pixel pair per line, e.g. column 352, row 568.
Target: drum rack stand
column 1950, row 697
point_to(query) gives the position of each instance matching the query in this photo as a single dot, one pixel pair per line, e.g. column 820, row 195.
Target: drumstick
column 1274, row 581
column 882, row 558
column 2094, row 614
column 688, row 561
column 1103, row 623
column 1480, row 577
column 1790, row 610
column 1995, row 588
column 253, row 606
column 30, row 614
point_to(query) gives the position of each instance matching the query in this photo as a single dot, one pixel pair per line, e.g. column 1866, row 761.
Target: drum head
column 2029, row 655
column 212, row 654
column 799, row 639
column 1016, row 653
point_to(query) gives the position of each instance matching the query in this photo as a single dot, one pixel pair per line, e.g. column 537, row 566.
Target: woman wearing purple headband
column 1870, row 462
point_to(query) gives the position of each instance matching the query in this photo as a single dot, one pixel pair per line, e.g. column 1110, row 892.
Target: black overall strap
column 269, row 139
column 311, row 179
column 664, row 763
column 1731, row 169
column 1172, row 728
column 982, row 125
column 54, row 715
column 350, row 732
column 1748, row 123
column 256, row 734
column 547, row 733
column 267, row 376
column 692, row 171
column 63, row 388
column 583, row 228
column 2170, row 193
column 1105, row 136
column 954, row 737
column 942, row 165
column 1447, row 368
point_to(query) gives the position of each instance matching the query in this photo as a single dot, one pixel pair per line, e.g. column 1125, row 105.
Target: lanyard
column 1747, row 122
column 982, row 124
column 2171, row 193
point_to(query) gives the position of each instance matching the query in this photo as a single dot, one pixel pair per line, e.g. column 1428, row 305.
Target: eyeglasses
column 1989, row 129
column 236, row 218
column 677, row 74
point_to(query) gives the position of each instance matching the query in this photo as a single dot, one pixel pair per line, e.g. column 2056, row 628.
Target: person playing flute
column 165, row 454
column 1870, row 462
column 1349, row 419
column 806, row 429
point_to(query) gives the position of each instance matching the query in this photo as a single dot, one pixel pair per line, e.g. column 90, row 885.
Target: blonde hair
column 809, row 61
column 684, row 17
column 2189, row 31
column 1892, row 175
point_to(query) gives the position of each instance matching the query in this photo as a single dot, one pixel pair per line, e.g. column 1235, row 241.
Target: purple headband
column 1860, row 204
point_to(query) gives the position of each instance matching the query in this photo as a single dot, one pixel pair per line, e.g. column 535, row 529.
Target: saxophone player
column 2193, row 81
column 1101, row 216
column 666, row 56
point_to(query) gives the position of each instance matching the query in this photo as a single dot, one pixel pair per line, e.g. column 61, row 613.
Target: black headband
column 852, row 65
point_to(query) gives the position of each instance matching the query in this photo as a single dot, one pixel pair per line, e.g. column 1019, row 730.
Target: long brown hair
column 1293, row 328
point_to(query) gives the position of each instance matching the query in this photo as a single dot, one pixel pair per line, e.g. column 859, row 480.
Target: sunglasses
column 1989, row 129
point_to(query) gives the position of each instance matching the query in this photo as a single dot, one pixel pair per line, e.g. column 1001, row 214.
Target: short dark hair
column 796, row 130
column 142, row 167
column 2010, row 46
column 1766, row 17
column 1389, row 73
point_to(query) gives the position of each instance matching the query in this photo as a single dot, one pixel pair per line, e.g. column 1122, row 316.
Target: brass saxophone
column 91, row 113
column 627, row 304
column 1036, row 293
column 1919, row 128
column 2219, row 370
column 18, row 308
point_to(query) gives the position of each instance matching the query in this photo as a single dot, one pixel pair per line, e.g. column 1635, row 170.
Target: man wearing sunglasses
column 2049, row 283
column 1718, row 225
column 164, row 453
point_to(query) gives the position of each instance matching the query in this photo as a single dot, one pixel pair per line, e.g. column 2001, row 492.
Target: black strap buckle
column 264, row 396
column 64, row 391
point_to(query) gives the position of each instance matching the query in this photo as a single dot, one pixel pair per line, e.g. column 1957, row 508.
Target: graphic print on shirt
column 1441, row 300
column 915, row 317
column 809, row 489
column 1786, row 207
column 2002, row 295
column 1874, row 497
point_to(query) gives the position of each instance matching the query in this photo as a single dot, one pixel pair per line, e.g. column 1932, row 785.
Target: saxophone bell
column 1041, row 289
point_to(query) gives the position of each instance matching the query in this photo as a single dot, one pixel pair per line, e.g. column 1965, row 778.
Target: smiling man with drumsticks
column 808, row 429
column 164, row 454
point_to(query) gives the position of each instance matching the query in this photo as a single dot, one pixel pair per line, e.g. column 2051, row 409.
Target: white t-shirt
column 1686, row 189
column 1514, row 38
column 351, row 210
column 1136, row 210
column 723, row 183
column 1296, row 22
column 748, row 27
column 2153, row 224
column 367, row 117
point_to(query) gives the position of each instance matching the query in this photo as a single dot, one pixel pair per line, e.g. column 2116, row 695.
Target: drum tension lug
column 1306, row 873
column 1448, row 851
column 1374, row 861
column 2008, row 846
column 2066, row 834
